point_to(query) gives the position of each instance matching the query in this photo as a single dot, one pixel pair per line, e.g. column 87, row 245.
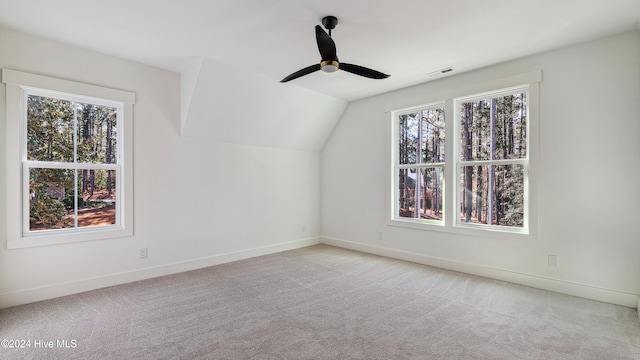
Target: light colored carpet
column 322, row 302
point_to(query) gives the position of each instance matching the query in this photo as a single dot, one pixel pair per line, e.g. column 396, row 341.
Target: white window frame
column 452, row 223
column 395, row 155
column 457, row 103
column 19, row 86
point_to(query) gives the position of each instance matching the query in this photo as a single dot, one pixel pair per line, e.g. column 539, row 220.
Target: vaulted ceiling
column 233, row 53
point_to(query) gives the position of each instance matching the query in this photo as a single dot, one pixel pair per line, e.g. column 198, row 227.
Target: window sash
column 69, row 165
column 417, row 195
column 523, row 161
column 505, row 228
column 29, row 165
column 27, row 91
column 396, row 134
column 422, row 165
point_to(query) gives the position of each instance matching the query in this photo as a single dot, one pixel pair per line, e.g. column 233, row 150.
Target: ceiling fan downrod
column 329, row 23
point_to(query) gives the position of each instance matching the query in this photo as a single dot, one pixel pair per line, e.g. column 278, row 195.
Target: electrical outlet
column 143, row 253
column 379, row 235
column 304, row 228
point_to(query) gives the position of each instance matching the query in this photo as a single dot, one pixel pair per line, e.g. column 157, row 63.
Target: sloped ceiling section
column 226, row 104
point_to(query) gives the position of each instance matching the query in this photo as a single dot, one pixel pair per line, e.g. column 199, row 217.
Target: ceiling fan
column 329, row 62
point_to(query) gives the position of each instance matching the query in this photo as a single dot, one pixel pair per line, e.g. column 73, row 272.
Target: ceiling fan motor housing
column 329, row 23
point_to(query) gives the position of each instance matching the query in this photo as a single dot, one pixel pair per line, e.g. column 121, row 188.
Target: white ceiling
column 404, row 38
column 233, row 53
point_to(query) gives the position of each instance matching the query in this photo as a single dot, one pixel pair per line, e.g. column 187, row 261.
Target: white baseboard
column 63, row 289
column 560, row 286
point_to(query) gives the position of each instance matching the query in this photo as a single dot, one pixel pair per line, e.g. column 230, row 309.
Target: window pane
column 424, row 187
column 51, row 124
column 492, row 195
column 50, row 129
column 408, row 138
column 96, row 134
column 97, row 207
column 494, row 128
column 53, row 203
column 432, row 134
column 51, row 194
column 406, row 192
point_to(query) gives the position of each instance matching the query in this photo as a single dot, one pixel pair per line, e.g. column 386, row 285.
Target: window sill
column 57, row 237
column 466, row 230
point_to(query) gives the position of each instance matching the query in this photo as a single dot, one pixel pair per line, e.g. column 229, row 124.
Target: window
column 484, row 182
column 419, row 164
column 493, row 162
column 69, row 161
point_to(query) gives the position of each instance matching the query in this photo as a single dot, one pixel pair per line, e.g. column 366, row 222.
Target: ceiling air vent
column 439, row 72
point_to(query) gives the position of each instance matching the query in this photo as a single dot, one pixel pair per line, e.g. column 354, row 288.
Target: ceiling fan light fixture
column 329, row 66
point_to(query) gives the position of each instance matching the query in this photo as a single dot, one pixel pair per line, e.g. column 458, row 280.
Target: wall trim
column 559, row 286
column 31, row 295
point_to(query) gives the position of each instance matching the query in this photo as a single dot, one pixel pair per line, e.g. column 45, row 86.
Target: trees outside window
column 420, row 164
column 72, row 163
column 493, row 159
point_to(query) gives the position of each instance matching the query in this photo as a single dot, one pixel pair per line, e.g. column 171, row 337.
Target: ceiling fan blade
column 326, row 45
column 301, row 72
column 362, row 71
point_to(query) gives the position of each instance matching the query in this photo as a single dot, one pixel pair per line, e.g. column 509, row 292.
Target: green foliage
column 49, row 129
column 63, row 131
column 43, row 208
column 512, row 196
column 68, row 202
column 54, row 125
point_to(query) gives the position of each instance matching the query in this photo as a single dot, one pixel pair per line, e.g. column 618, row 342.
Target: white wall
column 283, row 116
column 196, row 203
column 589, row 210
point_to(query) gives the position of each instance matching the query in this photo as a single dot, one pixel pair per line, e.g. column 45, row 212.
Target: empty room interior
column 286, row 179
